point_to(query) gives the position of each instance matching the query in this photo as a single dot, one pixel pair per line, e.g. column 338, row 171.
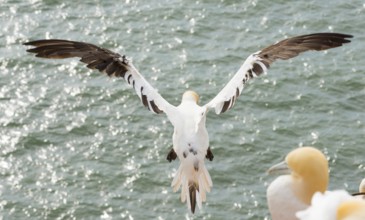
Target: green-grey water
column 75, row 144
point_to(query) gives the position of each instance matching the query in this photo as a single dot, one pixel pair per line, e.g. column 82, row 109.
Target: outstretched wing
column 257, row 63
column 106, row 61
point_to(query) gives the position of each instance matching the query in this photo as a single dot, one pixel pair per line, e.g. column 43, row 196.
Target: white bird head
column 308, row 168
column 190, row 95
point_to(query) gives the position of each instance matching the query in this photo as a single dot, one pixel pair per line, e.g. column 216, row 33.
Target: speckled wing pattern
column 104, row 60
column 257, row 63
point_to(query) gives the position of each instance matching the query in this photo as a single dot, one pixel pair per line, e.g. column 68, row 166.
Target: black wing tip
column 339, row 37
column 30, row 50
column 33, row 50
column 330, row 34
column 347, row 35
column 36, row 42
column 344, row 37
column 39, row 46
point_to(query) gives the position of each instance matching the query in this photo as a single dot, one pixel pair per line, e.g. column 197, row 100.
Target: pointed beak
column 279, row 169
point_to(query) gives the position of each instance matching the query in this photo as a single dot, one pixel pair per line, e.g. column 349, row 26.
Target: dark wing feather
column 292, row 47
column 104, row 60
column 258, row 62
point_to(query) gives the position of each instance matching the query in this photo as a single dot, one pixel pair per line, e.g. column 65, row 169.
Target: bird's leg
column 171, row 155
column 209, row 154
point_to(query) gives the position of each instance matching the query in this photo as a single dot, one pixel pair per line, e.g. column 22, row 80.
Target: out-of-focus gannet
column 334, row 205
column 352, row 209
column 190, row 137
column 362, row 186
column 361, row 192
column 306, row 170
column 302, row 194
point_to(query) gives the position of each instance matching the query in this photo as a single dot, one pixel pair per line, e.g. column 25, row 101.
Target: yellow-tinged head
column 309, row 170
column 190, row 95
column 351, row 210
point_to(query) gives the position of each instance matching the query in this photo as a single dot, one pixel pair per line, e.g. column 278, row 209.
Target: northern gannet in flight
column 190, row 137
column 307, row 173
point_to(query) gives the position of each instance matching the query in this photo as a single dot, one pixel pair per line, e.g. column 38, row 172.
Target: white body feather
column 190, row 138
column 190, row 142
column 283, row 203
column 325, row 206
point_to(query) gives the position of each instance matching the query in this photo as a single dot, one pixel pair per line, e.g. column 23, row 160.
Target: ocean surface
column 75, row 144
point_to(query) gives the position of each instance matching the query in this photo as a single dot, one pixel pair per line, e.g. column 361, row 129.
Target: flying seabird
column 190, row 137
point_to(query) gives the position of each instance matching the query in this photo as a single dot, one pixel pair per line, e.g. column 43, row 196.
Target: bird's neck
column 305, row 187
column 189, row 100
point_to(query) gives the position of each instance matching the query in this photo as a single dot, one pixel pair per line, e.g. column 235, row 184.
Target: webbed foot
column 209, row 154
column 171, row 155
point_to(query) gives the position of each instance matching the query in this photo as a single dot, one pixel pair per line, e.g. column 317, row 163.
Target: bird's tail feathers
column 193, row 187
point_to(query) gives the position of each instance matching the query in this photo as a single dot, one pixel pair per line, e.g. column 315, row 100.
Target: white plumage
column 306, row 172
column 301, row 193
column 282, row 202
column 362, row 186
column 190, row 137
column 334, row 205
